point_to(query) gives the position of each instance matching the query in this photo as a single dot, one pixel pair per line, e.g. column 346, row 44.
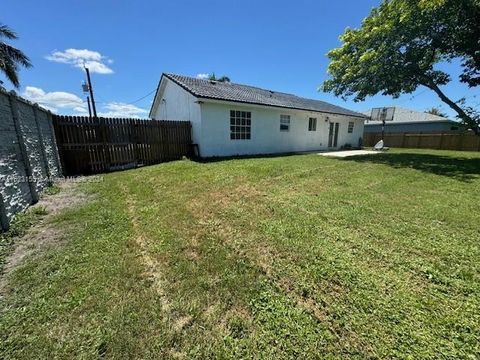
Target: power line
column 127, row 103
column 143, row 97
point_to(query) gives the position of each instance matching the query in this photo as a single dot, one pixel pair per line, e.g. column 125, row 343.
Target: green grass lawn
column 281, row 257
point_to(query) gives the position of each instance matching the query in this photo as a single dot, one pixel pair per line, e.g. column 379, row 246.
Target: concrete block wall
column 28, row 154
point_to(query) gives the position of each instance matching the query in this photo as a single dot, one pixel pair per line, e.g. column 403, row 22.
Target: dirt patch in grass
column 44, row 234
column 68, row 196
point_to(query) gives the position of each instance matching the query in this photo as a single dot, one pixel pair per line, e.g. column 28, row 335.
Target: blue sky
column 278, row 45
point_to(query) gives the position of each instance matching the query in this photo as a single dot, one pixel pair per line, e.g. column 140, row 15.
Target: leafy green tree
column 220, row 79
column 11, row 58
column 398, row 45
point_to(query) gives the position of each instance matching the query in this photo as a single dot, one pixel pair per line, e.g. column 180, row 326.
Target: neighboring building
column 231, row 119
column 411, row 121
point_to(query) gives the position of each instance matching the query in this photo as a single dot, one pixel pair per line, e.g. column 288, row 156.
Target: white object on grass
column 379, row 146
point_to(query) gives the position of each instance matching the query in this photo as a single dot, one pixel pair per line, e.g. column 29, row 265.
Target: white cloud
column 118, row 109
column 97, row 67
column 79, row 109
column 82, row 57
column 54, row 100
column 68, row 103
column 203, row 76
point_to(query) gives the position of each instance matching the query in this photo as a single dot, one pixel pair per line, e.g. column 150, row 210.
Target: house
column 411, row 121
column 232, row 119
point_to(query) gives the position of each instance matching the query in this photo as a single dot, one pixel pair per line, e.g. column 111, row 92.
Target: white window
column 312, row 124
column 351, row 124
column 240, row 125
column 284, row 122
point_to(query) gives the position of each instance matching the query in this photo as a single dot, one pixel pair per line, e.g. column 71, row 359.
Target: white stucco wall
column 266, row 137
column 177, row 104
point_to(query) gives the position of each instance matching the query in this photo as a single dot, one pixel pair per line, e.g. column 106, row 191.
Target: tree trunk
column 471, row 122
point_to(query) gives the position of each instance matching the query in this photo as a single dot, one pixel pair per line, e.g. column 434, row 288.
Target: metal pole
column 89, row 107
column 91, row 93
column 383, row 130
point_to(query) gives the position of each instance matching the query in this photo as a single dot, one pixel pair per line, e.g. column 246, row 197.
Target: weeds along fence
column 444, row 141
column 28, row 154
column 97, row 145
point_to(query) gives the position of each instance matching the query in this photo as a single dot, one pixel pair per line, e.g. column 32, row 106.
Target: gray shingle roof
column 207, row 89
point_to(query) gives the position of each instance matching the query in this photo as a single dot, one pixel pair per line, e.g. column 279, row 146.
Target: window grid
column 240, row 125
column 312, row 124
column 351, row 124
column 284, row 122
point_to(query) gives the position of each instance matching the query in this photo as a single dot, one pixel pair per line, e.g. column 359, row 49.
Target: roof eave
column 207, row 98
column 150, row 114
column 413, row 122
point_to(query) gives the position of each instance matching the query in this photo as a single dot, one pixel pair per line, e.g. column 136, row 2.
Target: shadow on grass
column 460, row 168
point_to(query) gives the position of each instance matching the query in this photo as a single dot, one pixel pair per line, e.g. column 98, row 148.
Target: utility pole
column 89, row 107
column 91, row 93
column 383, row 129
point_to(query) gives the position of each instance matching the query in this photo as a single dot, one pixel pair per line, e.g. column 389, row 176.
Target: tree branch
column 454, row 106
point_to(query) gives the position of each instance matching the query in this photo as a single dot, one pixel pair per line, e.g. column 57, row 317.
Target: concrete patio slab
column 346, row 153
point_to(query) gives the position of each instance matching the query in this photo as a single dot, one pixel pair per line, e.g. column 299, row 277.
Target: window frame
column 240, row 125
column 351, row 127
column 285, row 121
column 312, row 124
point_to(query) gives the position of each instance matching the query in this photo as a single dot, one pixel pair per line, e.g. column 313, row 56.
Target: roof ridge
column 233, row 83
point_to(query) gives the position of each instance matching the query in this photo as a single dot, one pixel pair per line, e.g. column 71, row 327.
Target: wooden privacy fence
column 447, row 141
column 90, row 146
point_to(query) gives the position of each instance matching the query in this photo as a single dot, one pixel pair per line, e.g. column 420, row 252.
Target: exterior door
column 333, row 135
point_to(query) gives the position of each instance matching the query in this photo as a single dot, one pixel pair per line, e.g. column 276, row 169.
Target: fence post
column 42, row 145
column 135, row 141
column 106, row 148
column 441, row 142
column 4, row 223
column 403, row 139
column 460, row 141
column 23, row 149
column 419, row 139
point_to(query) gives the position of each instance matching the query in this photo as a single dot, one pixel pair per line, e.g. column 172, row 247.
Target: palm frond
column 11, row 58
column 8, row 33
column 10, row 69
column 16, row 55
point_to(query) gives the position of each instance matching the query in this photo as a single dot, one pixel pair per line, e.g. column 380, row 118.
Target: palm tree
column 11, row 58
column 436, row 111
column 220, row 79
